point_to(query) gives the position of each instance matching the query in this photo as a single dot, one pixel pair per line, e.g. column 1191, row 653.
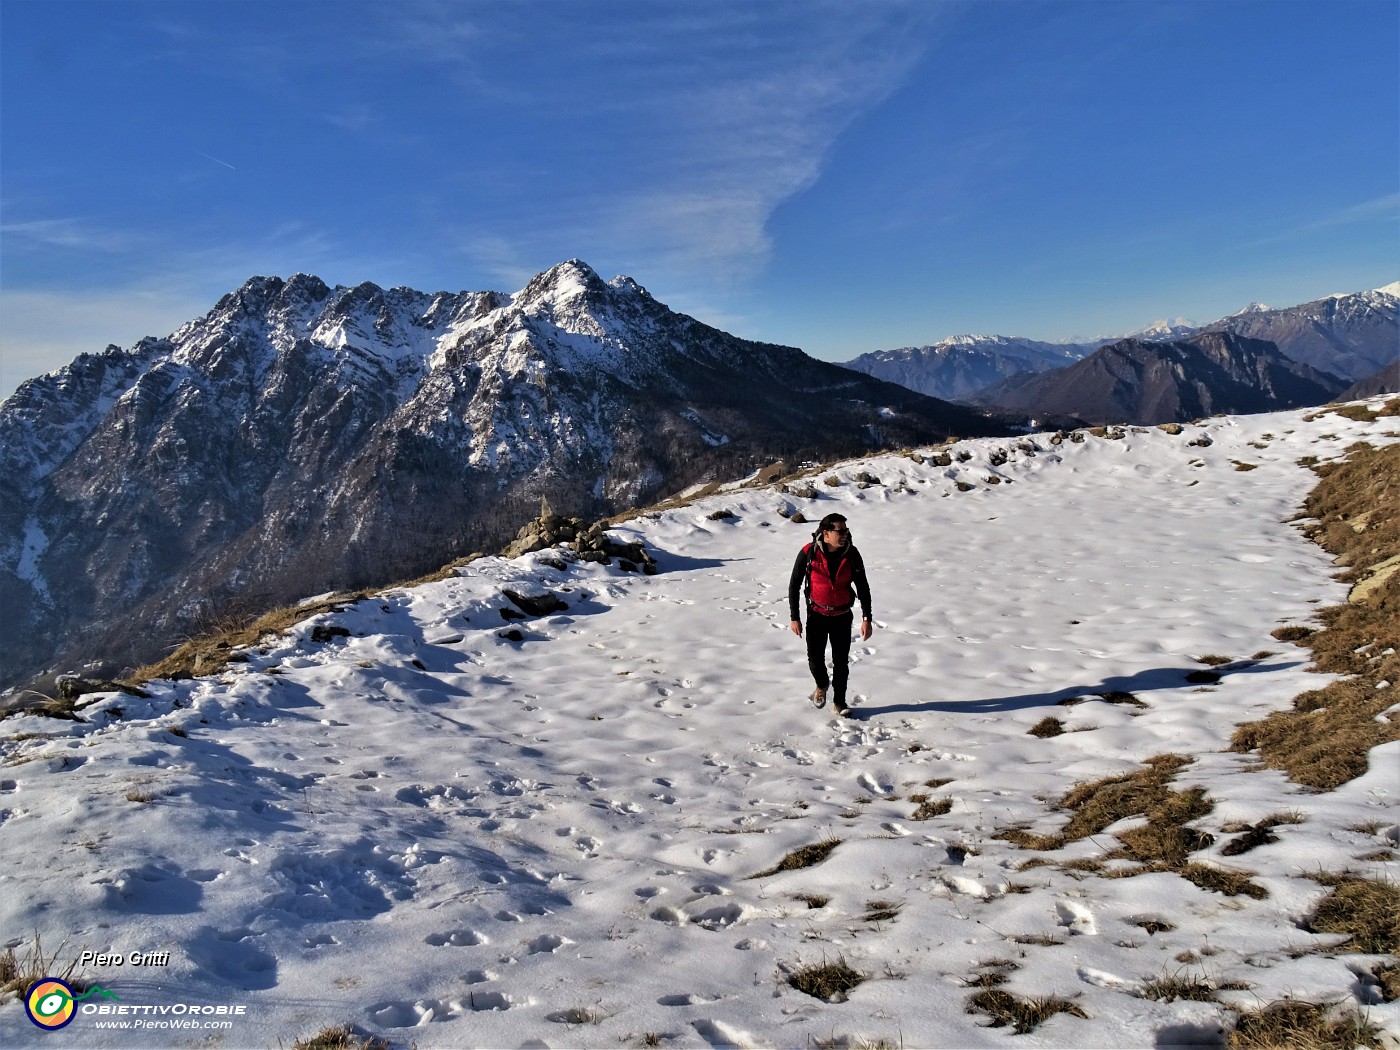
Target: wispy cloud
column 1379, row 209
column 729, row 120
column 1382, row 209
column 68, row 234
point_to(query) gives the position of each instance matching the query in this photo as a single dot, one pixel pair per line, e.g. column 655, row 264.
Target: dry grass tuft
column 1023, row 1015
column 1256, row 835
column 1326, row 739
column 1366, row 909
column 830, row 982
column 881, row 911
column 1171, row 987
column 18, row 972
column 1163, row 843
column 932, row 807
column 806, row 857
column 210, row 653
column 1388, row 977
column 1047, row 727
column 1294, row 1025
column 340, row 1037
column 1222, row 880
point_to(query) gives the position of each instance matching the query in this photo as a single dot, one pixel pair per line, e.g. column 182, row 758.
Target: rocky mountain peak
column 622, row 283
column 563, row 282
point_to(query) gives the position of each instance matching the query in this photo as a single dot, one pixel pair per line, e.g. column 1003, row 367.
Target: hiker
column 834, row 576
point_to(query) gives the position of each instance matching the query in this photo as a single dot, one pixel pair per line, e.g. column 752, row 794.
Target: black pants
column 837, row 630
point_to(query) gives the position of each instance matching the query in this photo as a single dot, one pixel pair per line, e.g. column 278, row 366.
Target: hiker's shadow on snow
column 1120, row 689
column 668, row 562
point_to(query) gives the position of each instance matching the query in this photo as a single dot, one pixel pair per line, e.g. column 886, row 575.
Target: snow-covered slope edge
column 452, row 838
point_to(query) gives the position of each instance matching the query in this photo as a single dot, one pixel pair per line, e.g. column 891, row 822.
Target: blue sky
column 842, row 177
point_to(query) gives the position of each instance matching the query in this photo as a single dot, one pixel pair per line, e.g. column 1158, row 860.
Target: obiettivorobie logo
column 51, row 1003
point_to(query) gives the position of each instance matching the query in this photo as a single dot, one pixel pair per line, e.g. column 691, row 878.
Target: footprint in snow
column 456, row 939
column 687, row 999
column 966, row 887
column 416, row 1014
column 1104, row 979
column 881, row 786
column 1076, row 917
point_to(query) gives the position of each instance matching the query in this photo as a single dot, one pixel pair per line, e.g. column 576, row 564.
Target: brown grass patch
column 211, row 653
column 1049, row 726
column 829, row 982
column 1163, row 843
column 18, row 972
column 930, row 808
column 1326, row 739
column 1361, row 412
column 1023, row 1015
column 1222, row 880
column 1256, row 835
column 1388, row 977
column 1294, row 1025
column 806, row 857
column 1188, row 987
column 1366, row 909
column 340, row 1037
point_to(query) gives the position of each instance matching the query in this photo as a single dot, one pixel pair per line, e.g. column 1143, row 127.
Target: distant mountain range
column 1136, row 381
column 1349, row 337
column 965, row 364
column 302, row 438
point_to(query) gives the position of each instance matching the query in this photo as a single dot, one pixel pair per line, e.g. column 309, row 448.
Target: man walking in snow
column 834, row 576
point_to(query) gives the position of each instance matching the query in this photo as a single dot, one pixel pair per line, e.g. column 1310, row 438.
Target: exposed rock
column 537, row 604
column 71, row 686
column 1374, row 581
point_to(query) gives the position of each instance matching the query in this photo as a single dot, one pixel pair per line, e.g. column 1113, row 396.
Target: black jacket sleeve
column 795, row 582
column 862, row 584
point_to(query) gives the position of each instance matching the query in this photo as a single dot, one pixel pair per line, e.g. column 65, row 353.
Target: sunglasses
column 840, row 530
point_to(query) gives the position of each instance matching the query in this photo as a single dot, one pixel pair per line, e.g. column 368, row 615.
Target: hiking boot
column 842, row 710
column 818, row 697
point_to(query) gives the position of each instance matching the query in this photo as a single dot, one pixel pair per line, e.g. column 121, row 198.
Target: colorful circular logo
column 49, row 1003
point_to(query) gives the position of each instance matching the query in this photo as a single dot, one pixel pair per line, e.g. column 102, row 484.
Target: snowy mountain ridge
column 452, row 829
column 1351, row 336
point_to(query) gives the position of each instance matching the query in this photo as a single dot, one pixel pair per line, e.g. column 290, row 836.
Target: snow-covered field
column 452, row 839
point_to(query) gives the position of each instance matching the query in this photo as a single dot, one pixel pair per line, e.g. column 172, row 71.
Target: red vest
column 830, row 595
